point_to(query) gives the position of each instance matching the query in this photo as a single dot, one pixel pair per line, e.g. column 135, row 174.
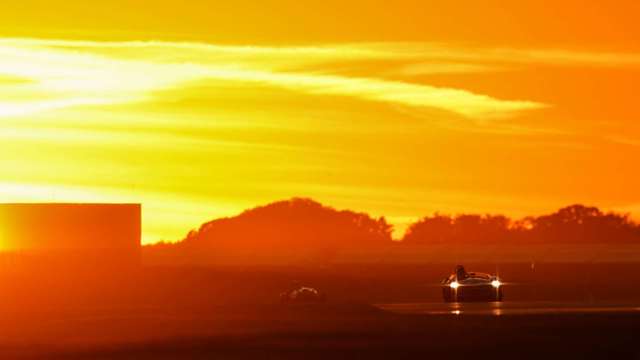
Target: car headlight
column 496, row 283
column 454, row 284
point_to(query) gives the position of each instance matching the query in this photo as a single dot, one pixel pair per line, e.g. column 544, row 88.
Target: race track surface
column 508, row 308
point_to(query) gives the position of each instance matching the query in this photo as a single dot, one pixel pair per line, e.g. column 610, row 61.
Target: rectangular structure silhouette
column 73, row 234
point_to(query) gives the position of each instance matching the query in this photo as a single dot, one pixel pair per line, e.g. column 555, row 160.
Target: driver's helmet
column 461, row 273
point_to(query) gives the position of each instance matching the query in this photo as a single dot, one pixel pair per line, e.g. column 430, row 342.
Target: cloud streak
column 57, row 74
column 515, row 56
column 72, row 73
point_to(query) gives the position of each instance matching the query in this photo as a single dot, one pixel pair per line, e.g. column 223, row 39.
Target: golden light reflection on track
column 507, row 308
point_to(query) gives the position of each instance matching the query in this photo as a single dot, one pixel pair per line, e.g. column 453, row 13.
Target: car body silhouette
column 462, row 286
column 302, row 295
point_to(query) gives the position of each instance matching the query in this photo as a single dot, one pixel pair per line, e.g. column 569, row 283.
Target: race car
column 463, row 286
column 302, row 294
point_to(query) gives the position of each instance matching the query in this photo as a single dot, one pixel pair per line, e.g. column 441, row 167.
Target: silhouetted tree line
column 305, row 227
column 574, row 224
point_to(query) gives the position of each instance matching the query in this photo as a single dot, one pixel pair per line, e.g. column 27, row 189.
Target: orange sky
column 200, row 110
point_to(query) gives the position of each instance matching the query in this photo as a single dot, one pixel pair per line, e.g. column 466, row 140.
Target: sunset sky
column 200, row 109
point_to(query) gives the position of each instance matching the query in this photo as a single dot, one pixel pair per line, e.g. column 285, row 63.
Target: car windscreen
column 480, row 276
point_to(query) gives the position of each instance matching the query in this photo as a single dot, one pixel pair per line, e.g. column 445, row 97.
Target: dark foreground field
column 349, row 332
column 232, row 313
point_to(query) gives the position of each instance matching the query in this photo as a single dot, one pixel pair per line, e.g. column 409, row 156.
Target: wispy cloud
column 71, row 73
column 57, row 74
column 430, row 68
column 484, row 55
column 332, row 52
column 623, row 140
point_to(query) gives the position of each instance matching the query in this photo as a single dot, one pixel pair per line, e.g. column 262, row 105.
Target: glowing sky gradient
column 197, row 116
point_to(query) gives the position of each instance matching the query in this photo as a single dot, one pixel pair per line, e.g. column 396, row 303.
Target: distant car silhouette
column 301, row 295
column 462, row 286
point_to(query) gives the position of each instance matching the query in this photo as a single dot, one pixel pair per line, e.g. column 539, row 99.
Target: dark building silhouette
column 72, row 235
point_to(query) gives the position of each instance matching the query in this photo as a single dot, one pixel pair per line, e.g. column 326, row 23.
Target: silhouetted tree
column 435, row 229
column 288, row 227
column 575, row 223
column 578, row 223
